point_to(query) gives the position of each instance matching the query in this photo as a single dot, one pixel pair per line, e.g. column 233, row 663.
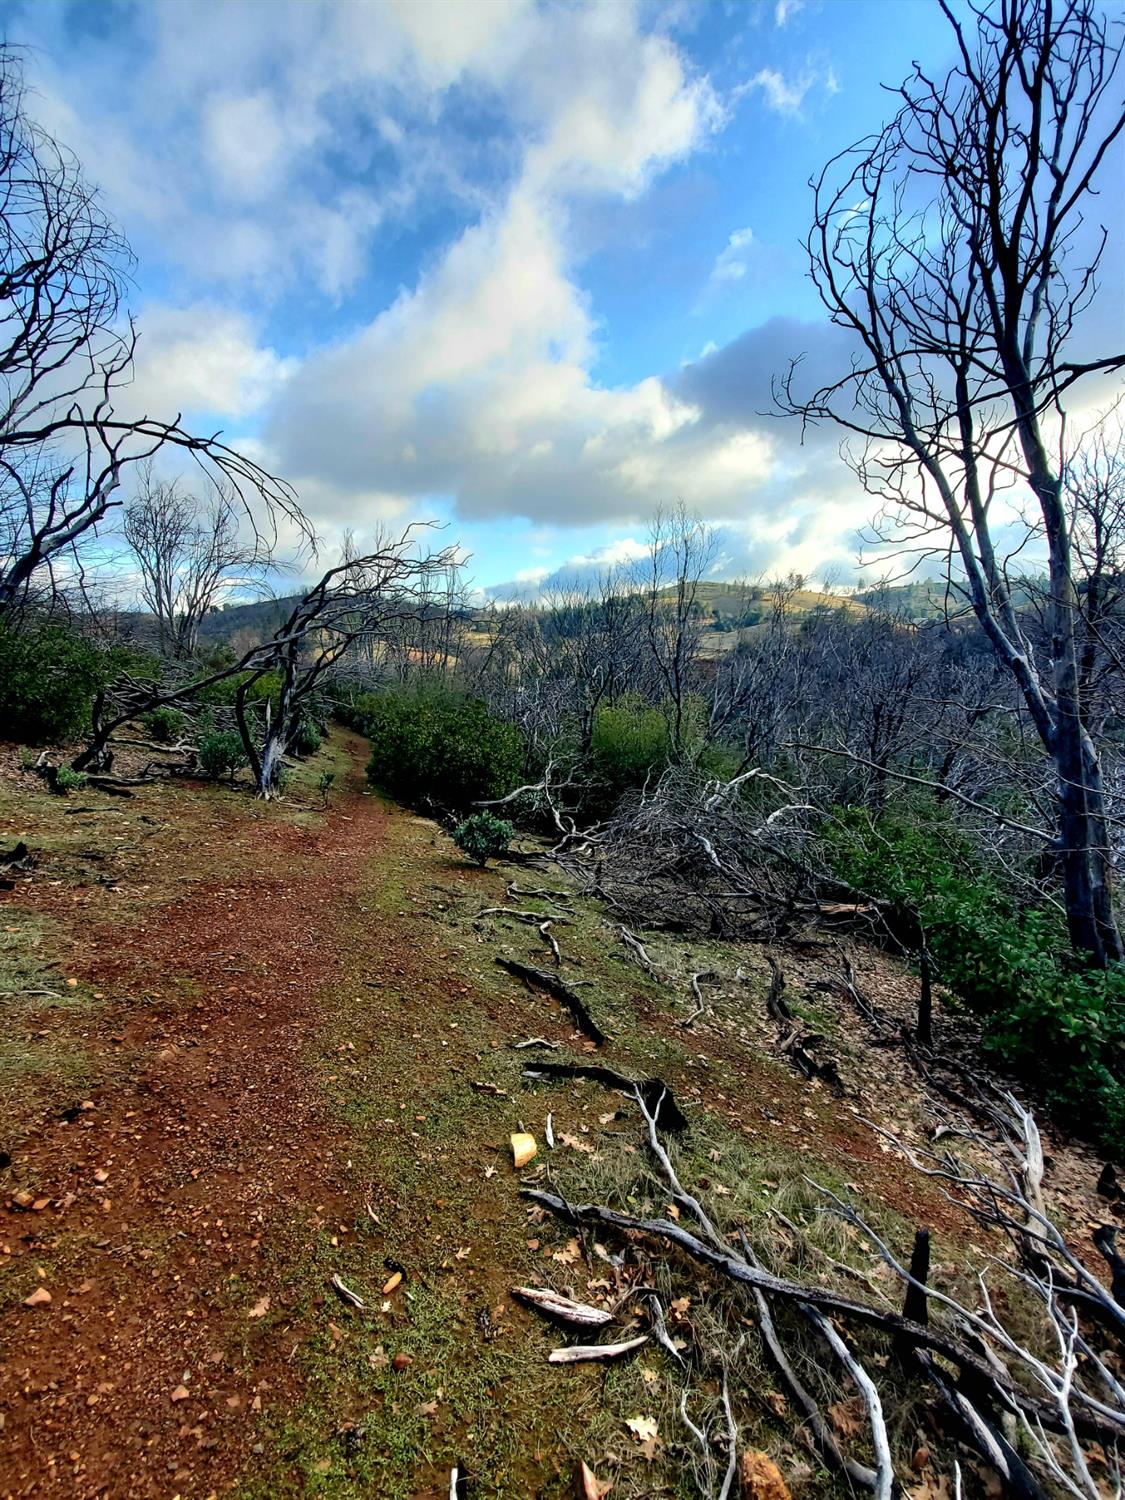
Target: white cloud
column 785, row 10
column 731, row 262
column 202, row 359
column 272, row 153
column 783, row 95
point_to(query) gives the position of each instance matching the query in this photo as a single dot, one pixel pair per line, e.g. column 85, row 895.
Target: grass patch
column 40, row 1062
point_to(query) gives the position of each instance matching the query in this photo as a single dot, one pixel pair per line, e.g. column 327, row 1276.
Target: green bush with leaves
column 438, row 747
column 630, row 742
column 49, row 676
column 1057, row 1024
column 221, row 753
column 306, row 738
column 165, row 724
column 65, row 780
column 484, row 836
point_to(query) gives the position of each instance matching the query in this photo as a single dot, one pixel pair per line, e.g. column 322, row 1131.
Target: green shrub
column 221, row 753
column 325, row 783
column 1057, row 1024
column 306, row 738
column 49, row 676
column 65, row 780
column 164, row 724
column 438, row 747
column 483, row 836
column 224, row 691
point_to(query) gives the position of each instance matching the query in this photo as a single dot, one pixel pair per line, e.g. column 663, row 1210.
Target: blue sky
column 523, row 268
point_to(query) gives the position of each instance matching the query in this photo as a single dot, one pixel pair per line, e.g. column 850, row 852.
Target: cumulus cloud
column 476, row 385
column 275, row 156
column 202, row 359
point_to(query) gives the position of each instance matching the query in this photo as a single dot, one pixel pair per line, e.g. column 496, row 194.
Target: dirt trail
column 171, row 1183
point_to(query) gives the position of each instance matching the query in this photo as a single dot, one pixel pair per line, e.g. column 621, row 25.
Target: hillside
column 255, row 1050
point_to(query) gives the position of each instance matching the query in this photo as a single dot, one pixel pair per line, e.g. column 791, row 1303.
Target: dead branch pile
column 1021, row 1375
column 733, row 858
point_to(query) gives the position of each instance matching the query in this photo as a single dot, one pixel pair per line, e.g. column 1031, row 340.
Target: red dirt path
column 170, row 1184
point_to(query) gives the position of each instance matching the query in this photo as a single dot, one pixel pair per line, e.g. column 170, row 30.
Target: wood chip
column 523, row 1148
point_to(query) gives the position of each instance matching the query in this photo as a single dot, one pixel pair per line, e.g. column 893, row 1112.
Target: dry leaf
column 593, row 1488
column 645, row 1431
column 932, row 1487
column 259, row 1309
column 673, row 1211
column 575, row 1144
column 848, row 1417
column 391, row 1282
column 39, row 1298
column 181, row 1393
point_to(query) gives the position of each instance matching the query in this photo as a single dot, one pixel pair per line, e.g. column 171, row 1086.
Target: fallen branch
column 1102, row 1425
column 554, row 986
column 545, row 934
column 698, row 993
column 884, row 1468
column 638, row 950
column 654, row 1092
column 532, row 917
column 565, row 1309
column 575, row 1354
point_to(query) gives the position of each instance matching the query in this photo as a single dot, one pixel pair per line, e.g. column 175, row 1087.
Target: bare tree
column 357, row 602
column 189, row 552
column 64, row 356
column 681, row 550
column 952, row 248
column 362, row 599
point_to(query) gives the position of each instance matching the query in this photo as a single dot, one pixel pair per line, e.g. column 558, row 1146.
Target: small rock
column 401, row 1362
column 181, row 1393
column 39, row 1298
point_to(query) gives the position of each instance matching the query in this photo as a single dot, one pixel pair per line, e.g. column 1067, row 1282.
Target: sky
column 524, row 269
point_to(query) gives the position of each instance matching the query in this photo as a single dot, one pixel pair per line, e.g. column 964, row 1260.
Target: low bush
column 165, row 724
column 49, row 676
column 221, row 753
column 1056, row 1023
column 630, row 742
column 65, row 780
column 438, row 747
column 306, row 738
column 484, row 836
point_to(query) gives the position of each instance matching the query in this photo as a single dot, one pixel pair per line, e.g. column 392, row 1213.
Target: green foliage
column 483, row 836
column 325, row 783
column 1058, row 1025
column 306, row 738
column 223, row 692
column 164, row 724
column 630, row 741
column 221, row 753
column 65, row 780
column 438, row 747
column 49, row 676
